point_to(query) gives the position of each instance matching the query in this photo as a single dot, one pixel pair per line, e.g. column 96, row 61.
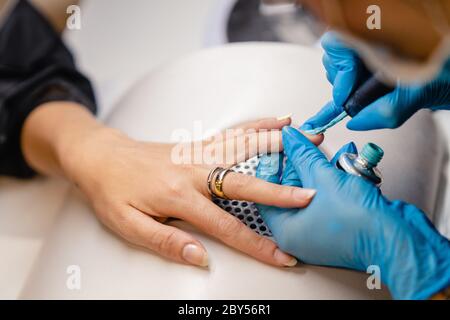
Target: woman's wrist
column 82, row 155
column 52, row 133
column 79, row 146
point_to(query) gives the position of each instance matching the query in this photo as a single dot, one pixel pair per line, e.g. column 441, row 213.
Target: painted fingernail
column 303, row 194
column 284, row 259
column 285, row 117
column 195, row 255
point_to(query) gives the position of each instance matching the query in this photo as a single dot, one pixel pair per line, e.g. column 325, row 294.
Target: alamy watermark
column 225, row 148
column 373, row 22
column 374, row 280
column 73, row 281
column 73, row 21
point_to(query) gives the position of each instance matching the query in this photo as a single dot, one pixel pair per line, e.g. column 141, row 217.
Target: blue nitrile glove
column 343, row 68
column 350, row 224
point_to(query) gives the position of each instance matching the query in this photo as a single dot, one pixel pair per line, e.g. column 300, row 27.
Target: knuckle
column 240, row 181
column 189, row 170
column 123, row 225
column 278, row 193
column 266, row 123
column 287, row 193
column 259, row 124
column 165, row 241
column 263, row 245
column 229, row 227
column 176, row 189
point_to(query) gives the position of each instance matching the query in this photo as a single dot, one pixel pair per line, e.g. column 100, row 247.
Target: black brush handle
column 370, row 91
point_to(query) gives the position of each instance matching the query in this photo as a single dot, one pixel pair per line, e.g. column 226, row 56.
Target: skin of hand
column 343, row 68
column 350, row 224
column 133, row 186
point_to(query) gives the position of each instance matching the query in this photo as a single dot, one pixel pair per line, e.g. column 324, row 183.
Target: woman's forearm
column 50, row 133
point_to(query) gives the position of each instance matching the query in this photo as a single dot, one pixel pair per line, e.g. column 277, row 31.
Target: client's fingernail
column 284, row 259
column 285, row 117
column 195, row 255
column 304, row 193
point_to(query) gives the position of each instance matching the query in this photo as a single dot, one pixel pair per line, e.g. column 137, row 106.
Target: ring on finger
column 212, row 174
column 215, row 182
column 218, row 183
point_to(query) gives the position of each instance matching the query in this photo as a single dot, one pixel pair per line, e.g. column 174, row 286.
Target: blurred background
column 119, row 41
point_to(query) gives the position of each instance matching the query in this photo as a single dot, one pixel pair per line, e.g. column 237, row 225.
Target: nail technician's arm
column 131, row 184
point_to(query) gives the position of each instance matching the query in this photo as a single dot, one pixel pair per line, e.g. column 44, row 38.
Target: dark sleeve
column 35, row 67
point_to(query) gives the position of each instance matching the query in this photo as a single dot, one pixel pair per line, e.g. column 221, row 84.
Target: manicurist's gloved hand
column 344, row 68
column 350, row 224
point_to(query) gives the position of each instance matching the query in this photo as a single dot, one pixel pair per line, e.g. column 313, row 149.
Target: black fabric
column 35, row 67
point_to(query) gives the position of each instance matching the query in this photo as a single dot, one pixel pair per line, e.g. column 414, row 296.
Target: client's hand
column 133, row 186
column 350, row 224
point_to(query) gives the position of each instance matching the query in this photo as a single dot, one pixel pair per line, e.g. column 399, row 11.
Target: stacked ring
column 212, row 174
column 215, row 182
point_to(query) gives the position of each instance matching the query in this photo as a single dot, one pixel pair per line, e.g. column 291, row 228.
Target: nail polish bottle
column 364, row 164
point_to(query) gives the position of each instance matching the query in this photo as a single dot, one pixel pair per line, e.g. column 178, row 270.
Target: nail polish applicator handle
column 371, row 90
